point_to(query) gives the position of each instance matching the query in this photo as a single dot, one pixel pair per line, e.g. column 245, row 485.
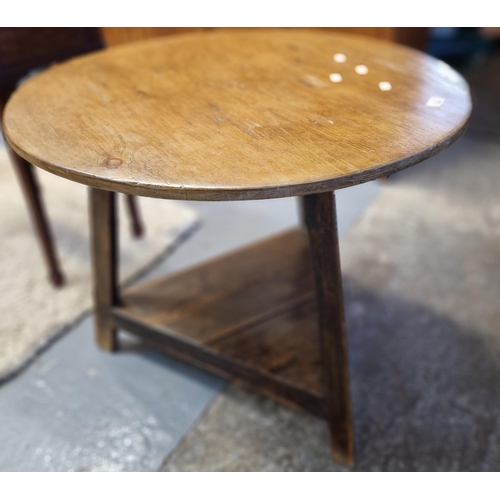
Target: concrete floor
column 77, row 408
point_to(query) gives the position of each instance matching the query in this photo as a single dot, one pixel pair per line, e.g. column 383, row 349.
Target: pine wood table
column 241, row 115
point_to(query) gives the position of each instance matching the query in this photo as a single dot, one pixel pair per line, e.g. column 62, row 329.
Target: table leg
column 39, row 218
column 104, row 265
column 137, row 227
column 321, row 221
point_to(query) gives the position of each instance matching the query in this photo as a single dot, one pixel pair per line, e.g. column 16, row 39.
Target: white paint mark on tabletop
column 435, row 102
column 361, row 69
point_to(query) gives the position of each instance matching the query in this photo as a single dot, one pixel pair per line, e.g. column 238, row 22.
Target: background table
column 240, row 116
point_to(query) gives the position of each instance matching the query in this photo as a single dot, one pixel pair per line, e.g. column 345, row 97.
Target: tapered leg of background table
column 321, row 220
column 104, row 264
column 33, row 199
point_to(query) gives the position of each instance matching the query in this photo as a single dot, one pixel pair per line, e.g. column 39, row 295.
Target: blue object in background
column 458, row 46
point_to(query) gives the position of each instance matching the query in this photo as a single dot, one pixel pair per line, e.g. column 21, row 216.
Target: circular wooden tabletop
column 238, row 115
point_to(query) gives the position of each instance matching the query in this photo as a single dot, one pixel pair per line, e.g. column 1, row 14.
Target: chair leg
column 33, row 199
column 137, row 226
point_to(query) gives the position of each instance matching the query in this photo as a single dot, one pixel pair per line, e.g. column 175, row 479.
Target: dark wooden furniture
column 23, row 50
column 412, row 37
column 241, row 116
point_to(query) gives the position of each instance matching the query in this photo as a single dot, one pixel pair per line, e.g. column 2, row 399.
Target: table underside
column 250, row 316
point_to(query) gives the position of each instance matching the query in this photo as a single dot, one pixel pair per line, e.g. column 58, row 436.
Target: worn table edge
column 196, row 193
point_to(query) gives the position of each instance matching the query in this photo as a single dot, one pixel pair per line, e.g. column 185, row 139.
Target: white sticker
column 435, row 102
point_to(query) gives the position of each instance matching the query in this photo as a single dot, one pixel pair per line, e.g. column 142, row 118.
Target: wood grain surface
column 237, row 115
column 260, row 326
column 102, row 208
column 321, row 222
